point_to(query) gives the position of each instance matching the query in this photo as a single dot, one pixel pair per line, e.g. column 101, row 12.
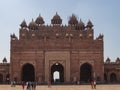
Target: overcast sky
column 104, row 14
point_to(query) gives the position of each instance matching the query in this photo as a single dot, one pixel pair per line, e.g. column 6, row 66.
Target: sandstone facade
column 71, row 50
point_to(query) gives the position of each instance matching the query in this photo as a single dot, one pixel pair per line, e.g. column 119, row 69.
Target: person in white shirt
column 94, row 84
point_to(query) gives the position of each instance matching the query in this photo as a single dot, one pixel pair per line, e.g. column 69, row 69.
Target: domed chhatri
column 73, row 20
column 81, row 25
column 56, row 20
column 39, row 21
column 32, row 25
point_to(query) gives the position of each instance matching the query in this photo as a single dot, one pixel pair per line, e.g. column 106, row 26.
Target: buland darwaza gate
column 68, row 50
column 71, row 50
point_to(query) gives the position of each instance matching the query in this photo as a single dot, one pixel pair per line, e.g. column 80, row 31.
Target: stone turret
column 23, row 24
column 118, row 60
column 4, row 60
column 13, row 37
column 80, row 26
column 108, row 60
column 89, row 25
column 100, row 37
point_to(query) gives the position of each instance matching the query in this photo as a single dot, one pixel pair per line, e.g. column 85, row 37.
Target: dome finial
column 39, row 15
column 56, row 13
column 32, row 20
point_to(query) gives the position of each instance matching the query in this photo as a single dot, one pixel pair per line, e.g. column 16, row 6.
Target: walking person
column 49, row 84
column 23, row 85
column 94, row 84
column 28, row 85
column 11, row 83
column 14, row 83
column 34, row 85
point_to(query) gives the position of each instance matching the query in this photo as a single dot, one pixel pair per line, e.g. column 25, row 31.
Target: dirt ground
column 64, row 87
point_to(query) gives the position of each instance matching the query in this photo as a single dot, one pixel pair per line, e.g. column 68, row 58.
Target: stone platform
column 64, row 87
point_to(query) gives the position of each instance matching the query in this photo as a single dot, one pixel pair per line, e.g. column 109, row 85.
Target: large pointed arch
column 105, row 77
column 86, row 72
column 28, row 72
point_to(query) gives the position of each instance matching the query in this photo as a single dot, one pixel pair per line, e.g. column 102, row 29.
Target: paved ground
column 67, row 87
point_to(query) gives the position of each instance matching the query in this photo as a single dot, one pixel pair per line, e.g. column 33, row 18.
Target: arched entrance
column 28, row 73
column 113, row 77
column 1, row 78
column 57, row 69
column 105, row 77
column 85, row 72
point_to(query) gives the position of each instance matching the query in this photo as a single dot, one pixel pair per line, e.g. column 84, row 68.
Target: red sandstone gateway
column 70, row 50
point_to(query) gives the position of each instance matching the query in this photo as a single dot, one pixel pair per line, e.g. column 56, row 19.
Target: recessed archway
column 85, row 72
column 1, row 78
column 57, row 69
column 105, row 77
column 113, row 77
column 28, row 73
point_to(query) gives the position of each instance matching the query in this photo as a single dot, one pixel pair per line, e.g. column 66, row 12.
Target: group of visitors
column 13, row 83
column 31, row 85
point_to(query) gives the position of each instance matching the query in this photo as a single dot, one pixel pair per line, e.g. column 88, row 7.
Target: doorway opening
column 86, row 73
column 57, row 73
column 28, row 73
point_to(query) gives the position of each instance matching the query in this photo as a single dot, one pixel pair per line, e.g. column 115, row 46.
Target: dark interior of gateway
column 1, row 78
column 28, row 73
column 57, row 67
column 86, row 73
